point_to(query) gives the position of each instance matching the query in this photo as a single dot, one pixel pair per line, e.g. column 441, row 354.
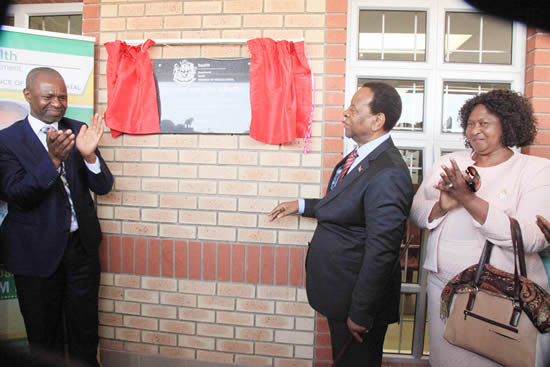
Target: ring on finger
column 450, row 186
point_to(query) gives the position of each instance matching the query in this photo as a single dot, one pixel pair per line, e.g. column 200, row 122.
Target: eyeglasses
column 475, row 180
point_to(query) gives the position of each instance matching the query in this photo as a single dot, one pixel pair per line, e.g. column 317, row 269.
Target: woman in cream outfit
column 460, row 220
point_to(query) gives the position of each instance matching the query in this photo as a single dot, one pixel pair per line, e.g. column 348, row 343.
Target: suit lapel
column 338, row 165
column 30, row 150
column 32, row 144
column 358, row 171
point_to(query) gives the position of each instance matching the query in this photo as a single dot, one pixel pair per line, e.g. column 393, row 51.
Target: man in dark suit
column 51, row 235
column 352, row 275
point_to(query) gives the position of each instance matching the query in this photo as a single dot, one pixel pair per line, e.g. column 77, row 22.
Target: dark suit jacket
column 35, row 232
column 351, row 257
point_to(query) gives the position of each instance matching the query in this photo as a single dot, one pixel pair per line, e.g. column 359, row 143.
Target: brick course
column 187, row 245
column 537, row 75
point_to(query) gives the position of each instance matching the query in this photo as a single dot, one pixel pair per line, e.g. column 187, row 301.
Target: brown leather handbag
column 501, row 316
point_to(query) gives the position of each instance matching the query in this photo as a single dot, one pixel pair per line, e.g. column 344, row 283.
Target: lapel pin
column 360, row 168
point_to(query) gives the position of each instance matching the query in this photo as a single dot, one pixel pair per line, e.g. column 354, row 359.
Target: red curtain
column 280, row 91
column 131, row 91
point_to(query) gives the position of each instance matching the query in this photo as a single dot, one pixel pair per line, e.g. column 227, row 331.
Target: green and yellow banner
column 22, row 50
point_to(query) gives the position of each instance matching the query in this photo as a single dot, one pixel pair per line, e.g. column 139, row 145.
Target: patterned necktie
column 347, row 165
column 63, row 177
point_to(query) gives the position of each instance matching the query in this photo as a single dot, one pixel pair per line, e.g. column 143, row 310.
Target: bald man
column 51, row 235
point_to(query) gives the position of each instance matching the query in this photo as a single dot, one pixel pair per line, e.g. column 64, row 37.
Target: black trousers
column 366, row 354
column 69, row 294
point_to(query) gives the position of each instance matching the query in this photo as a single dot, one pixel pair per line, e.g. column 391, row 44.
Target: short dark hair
column 42, row 70
column 514, row 111
column 386, row 100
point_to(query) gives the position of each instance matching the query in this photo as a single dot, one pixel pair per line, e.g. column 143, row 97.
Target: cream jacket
column 519, row 187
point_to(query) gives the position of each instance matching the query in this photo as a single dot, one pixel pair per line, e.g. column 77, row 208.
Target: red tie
column 347, row 165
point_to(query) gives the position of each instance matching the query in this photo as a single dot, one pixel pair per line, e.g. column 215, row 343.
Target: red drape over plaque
column 131, row 92
column 280, row 91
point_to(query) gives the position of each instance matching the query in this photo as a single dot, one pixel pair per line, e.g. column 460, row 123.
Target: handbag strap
column 518, row 239
column 519, row 258
column 484, row 259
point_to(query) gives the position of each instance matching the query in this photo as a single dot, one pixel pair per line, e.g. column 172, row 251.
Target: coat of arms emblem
column 184, row 72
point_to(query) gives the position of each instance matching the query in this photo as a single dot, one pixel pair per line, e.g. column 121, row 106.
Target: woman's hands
column 453, row 187
column 455, row 192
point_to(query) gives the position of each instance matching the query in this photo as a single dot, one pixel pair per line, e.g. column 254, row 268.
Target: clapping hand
column 88, row 138
column 453, row 187
column 60, row 143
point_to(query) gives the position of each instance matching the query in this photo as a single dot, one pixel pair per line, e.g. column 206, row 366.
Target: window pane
column 454, row 96
column 392, row 35
column 413, row 158
column 75, row 24
column 497, row 41
column 477, row 38
column 9, row 20
column 462, row 37
column 412, row 98
column 56, row 23
column 399, row 336
column 35, row 23
column 370, row 35
column 399, row 26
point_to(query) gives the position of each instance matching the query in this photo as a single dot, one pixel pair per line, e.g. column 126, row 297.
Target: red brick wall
column 333, row 144
column 187, row 245
column 537, row 88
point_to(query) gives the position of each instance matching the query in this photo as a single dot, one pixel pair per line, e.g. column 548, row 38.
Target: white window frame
column 434, row 71
column 22, row 12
